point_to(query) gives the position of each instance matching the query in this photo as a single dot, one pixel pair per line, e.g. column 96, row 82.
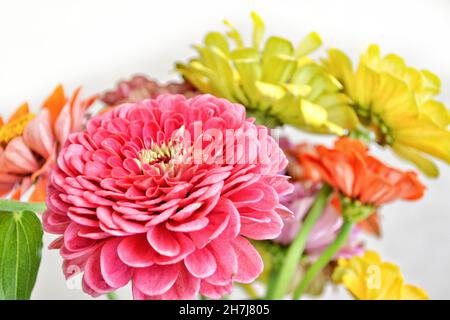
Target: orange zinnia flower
column 355, row 174
column 307, row 173
column 28, row 142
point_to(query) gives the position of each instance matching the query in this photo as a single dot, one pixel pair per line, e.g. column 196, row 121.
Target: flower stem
column 18, row 206
column 294, row 253
column 112, row 295
column 324, row 258
column 273, row 278
column 251, row 292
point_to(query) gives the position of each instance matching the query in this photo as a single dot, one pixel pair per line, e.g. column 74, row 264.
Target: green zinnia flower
column 278, row 84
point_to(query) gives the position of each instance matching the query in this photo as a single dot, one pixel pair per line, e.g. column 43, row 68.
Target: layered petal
column 38, row 134
column 158, row 201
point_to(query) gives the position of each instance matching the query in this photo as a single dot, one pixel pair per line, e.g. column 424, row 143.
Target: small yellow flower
column 369, row 278
column 396, row 102
column 278, row 84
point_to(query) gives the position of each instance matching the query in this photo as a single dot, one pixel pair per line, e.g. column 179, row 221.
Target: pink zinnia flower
column 324, row 231
column 131, row 203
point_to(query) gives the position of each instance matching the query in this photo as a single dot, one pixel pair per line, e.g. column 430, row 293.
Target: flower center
column 164, row 155
column 14, row 128
column 373, row 121
column 157, row 154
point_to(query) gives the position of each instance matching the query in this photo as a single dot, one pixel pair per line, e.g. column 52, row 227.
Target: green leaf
column 18, row 206
column 20, row 253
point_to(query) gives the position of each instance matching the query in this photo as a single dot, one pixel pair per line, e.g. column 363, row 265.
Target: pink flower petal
column 135, row 251
column 247, row 196
column 185, row 288
column 249, row 261
column 201, row 263
column 214, row 291
column 163, row 241
column 187, row 211
column 38, row 134
column 186, row 248
column 155, row 280
column 226, row 260
column 234, row 224
column 73, row 241
column 63, row 125
column 188, row 226
column 261, row 230
column 217, row 224
column 137, row 294
column 114, row 271
column 18, row 158
column 93, row 275
column 269, row 200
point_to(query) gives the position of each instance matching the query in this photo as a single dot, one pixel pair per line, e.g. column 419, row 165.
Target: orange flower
column 28, row 142
column 307, row 173
column 358, row 176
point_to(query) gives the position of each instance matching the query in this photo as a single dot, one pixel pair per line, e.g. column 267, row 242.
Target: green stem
column 324, row 258
column 294, row 253
column 272, row 281
column 250, row 290
column 112, row 295
column 18, row 206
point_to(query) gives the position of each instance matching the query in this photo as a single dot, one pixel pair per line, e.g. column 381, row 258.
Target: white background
column 94, row 43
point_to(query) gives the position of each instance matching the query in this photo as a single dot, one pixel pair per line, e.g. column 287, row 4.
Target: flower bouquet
column 192, row 189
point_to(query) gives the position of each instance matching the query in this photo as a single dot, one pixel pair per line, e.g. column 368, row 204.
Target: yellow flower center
column 14, row 128
column 164, row 156
column 162, row 153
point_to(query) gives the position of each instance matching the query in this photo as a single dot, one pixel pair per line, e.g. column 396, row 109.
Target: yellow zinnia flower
column 278, row 84
column 397, row 103
column 369, row 278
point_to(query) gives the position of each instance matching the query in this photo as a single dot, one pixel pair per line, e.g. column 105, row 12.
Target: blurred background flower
column 357, row 175
column 29, row 142
column 276, row 81
column 139, row 87
column 324, row 231
column 396, row 103
column 369, row 278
